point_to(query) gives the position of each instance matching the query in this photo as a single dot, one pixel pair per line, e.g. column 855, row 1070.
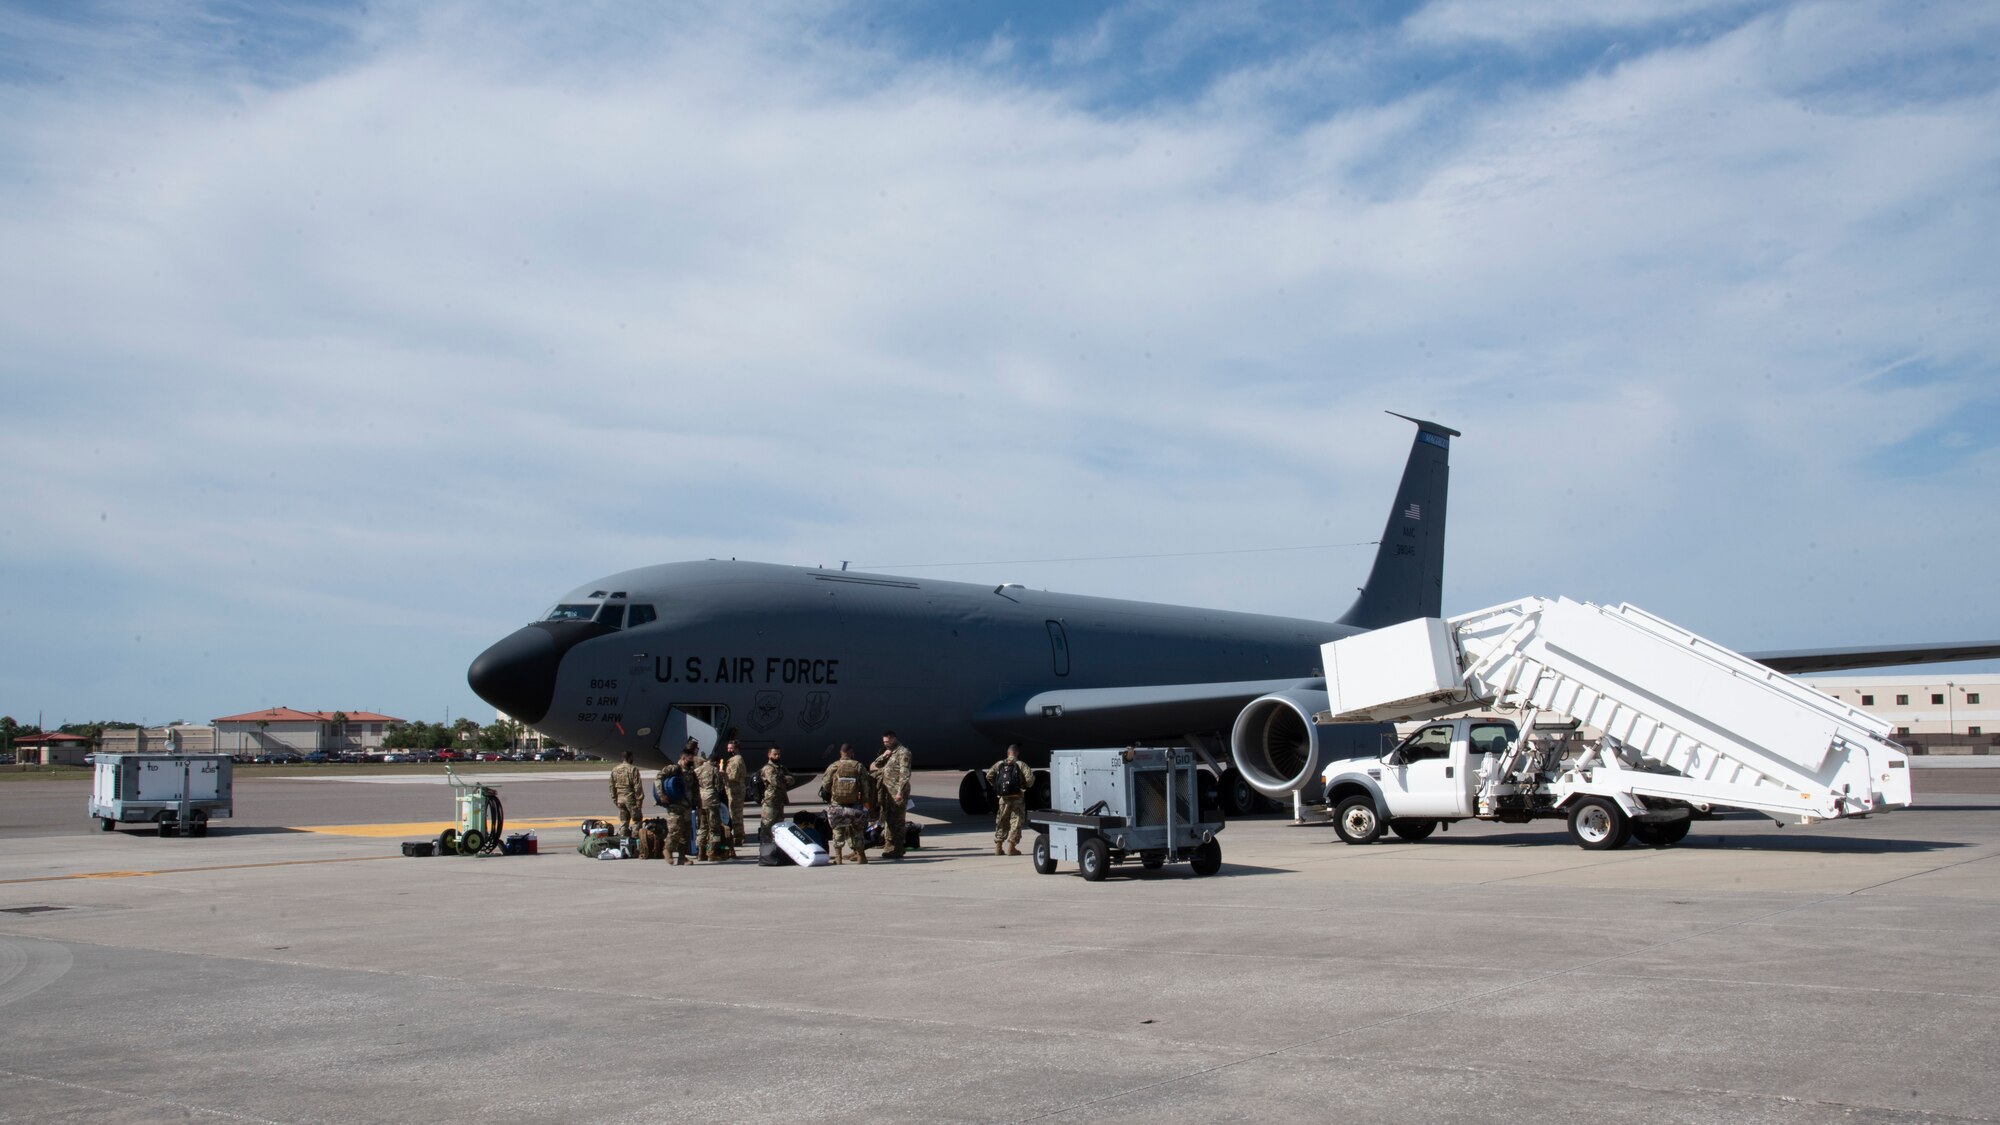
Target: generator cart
column 178, row 792
column 1115, row 806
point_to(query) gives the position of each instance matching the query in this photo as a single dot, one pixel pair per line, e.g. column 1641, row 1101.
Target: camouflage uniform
column 626, row 795
column 777, row 783
column 848, row 820
column 678, row 828
column 713, row 840
column 734, row 773
column 892, row 777
column 1012, row 808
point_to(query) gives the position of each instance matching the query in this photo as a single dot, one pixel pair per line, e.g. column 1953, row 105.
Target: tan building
column 55, row 749
column 183, row 738
column 281, row 730
column 1931, row 710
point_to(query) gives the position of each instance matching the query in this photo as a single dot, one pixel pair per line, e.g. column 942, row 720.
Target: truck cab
column 1431, row 776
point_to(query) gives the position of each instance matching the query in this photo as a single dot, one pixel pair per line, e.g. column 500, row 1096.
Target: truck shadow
column 1698, row 840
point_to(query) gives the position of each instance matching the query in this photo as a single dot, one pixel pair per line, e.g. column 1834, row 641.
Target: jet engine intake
column 1274, row 743
column 1279, row 749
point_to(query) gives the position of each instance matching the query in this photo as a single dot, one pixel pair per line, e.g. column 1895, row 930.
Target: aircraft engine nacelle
column 1279, row 749
column 1274, row 743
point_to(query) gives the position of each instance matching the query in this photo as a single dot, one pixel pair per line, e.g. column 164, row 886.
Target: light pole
column 1950, row 713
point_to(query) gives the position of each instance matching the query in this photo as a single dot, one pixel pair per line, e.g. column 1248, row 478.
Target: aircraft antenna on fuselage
column 1407, row 580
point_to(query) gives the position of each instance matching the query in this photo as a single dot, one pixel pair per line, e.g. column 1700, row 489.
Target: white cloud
column 396, row 352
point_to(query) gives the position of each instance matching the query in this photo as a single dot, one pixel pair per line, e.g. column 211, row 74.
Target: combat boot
column 861, row 855
column 1012, row 850
column 836, row 856
column 996, row 848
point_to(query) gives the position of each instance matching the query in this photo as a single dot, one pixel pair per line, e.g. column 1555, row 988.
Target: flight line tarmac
column 273, row 972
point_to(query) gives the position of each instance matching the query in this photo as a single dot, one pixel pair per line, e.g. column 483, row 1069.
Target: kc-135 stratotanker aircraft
column 807, row 658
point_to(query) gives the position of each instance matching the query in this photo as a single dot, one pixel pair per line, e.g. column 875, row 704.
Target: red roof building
column 285, row 731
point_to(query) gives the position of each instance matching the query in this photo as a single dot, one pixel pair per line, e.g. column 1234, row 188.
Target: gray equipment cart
column 1114, row 806
column 176, row 791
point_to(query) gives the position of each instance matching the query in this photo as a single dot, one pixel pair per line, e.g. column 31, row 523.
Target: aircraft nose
column 518, row 674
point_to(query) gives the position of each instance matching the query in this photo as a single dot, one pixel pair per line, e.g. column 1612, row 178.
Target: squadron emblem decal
column 768, row 712
column 818, row 710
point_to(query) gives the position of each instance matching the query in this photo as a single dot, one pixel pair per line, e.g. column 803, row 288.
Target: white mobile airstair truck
column 1688, row 729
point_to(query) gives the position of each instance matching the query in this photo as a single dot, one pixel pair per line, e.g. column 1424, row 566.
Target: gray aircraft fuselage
column 806, row 659
column 836, row 656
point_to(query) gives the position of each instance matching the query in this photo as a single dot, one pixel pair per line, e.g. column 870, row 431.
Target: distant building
column 52, row 749
column 281, row 730
column 1932, row 711
column 528, row 738
column 185, row 738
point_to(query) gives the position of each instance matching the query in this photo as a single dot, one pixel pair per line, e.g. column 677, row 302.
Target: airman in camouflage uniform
column 1012, row 808
column 626, row 794
column 847, row 817
column 777, row 785
column 677, row 809
column 735, row 772
column 714, row 840
column 892, row 779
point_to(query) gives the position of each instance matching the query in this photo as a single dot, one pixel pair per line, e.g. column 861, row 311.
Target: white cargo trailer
column 179, row 792
column 1685, row 728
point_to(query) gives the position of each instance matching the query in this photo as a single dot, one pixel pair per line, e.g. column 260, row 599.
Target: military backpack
column 1009, row 782
column 846, row 787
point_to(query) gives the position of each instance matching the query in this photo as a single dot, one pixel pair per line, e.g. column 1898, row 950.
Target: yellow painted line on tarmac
column 186, row 870
column 426, row 830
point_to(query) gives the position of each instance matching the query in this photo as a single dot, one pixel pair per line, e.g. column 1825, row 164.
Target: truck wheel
column 198, row 826
column 1152, row 861
column 1207, row 859
column 1412, row 829
column 1356, row 820
column 169, row 828
column 106, row 824
column 1598, row 825
column 1043, row 864
column 1674, row 831
column 1094, row 858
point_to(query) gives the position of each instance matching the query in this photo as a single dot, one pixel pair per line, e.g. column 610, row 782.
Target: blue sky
column 340, row 339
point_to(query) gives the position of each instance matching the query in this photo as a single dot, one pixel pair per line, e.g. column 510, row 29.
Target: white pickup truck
column 1452, row 769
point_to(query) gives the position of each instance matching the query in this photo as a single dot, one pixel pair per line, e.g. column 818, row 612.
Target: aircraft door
column 680, row 726
column 1059, row 646
column 1420, row 778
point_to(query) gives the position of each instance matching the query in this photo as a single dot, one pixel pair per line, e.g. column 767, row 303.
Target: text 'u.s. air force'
column 747, row 670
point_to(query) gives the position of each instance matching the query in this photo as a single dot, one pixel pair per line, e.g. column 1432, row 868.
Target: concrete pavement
column 1846, row 971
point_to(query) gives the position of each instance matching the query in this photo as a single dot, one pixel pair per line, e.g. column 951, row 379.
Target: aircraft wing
column 1883, row 656
column 1120, row 714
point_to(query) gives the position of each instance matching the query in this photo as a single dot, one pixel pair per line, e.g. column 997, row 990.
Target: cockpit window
column 638, row 615
column 613, row 614
column 571, row 613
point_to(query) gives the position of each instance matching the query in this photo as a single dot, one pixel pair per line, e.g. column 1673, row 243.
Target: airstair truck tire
column 1412, row 829
column 1598, row 825
column 1356, row 820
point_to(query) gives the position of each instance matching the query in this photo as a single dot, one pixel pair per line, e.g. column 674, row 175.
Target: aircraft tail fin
column 1407, row 580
